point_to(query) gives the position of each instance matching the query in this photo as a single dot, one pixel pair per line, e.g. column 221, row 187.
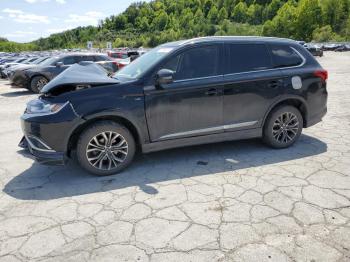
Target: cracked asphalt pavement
column 233, row 201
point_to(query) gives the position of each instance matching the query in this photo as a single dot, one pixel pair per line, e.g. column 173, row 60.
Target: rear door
column 192, row 104
column 251, row 85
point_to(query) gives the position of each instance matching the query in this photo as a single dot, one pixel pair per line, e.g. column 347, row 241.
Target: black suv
column 183, row 93
column 36, row 77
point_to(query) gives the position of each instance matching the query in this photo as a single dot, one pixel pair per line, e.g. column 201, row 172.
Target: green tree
column 283, row 24
column 213, row 15
column 308, row 18
column 160, row 21
column 271, row 9
column 323, row 34
column 208, row 4
column 346, row 30
column 142, row 23
column 239, row 13
column 120, row 22
column 222, row 14
column 254, row 14
column 335, row 13
column 186, row 19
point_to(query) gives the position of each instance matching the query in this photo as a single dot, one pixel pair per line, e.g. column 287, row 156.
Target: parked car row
column 124, row 57
column 317, row 49
column 34, row 70
column 314, row 50
column 34, row 73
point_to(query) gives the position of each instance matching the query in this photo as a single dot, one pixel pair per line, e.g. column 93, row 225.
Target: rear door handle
column 275, row 84
column 211, row 92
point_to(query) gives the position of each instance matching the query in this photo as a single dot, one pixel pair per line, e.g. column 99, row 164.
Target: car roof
column 209, row 39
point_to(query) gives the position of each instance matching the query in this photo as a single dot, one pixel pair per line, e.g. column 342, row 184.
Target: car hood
column 22, row 66
column 79, row 74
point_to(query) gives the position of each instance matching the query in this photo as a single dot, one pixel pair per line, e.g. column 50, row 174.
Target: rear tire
column 105, row 148
column 283, row 127
column 37, row 83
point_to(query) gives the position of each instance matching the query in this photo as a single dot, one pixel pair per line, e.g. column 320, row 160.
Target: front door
column 192, row 104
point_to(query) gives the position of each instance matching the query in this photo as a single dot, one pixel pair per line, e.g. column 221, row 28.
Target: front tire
column 37, row 83
column 105, row 148
column 283, row 127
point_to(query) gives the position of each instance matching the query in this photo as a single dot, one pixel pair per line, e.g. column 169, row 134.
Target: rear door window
column 285, row 56
column 247, row 58
column 87, row 58
column 101, row 58
column 69, row 60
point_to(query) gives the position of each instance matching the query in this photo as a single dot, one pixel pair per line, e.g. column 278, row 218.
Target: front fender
column 137, row 122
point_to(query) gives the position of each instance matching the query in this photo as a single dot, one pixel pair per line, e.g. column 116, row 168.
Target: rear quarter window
column 248, row 57
column 69, row 60
column 88, row 58
column 285, row 56
column 102, row 58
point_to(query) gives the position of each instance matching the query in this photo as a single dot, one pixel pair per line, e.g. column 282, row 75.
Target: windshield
column 49, row 61
column 31, row 60
column 26, row 61
column 138, row 67
column 40, row 60
column 19, row 60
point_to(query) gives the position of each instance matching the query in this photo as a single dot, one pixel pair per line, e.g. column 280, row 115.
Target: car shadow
column 17, row 93
column 41, row 182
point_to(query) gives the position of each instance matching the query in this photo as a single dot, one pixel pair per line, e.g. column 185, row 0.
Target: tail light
column 323, row 74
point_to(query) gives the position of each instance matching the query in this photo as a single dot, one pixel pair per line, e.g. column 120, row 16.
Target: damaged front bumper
column 47, row 135
column 42, row 155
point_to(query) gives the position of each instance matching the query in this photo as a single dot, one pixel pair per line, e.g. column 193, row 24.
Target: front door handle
column 211, row 92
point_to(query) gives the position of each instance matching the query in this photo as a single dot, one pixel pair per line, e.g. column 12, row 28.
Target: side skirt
column 198, row 140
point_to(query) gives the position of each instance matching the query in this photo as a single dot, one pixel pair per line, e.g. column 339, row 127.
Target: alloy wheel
column 107, row 150
column 41, row 83
column 285, row 128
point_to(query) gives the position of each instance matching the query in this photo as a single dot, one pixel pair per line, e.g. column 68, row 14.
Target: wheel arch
column 74, row 136
column 38, row 74
column 297, row 102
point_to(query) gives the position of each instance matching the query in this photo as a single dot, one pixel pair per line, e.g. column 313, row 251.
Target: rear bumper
column 43, row 156
column 314, row 119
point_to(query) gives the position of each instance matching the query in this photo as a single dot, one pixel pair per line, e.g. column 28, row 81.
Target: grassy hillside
column 9, row 46
column 149, row 24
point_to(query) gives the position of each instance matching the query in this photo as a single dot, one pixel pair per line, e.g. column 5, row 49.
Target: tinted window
column 172, row 64
column 248, row 57
column 88, row 58
column 285, row 56
column 69, row 60
column 195, row 63
column 140, row 66
column 101, row 58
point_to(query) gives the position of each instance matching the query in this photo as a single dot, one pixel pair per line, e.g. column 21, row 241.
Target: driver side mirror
column 59, row 64
column 164, row 76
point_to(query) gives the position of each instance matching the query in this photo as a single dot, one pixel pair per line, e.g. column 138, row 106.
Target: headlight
column 38, row 106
